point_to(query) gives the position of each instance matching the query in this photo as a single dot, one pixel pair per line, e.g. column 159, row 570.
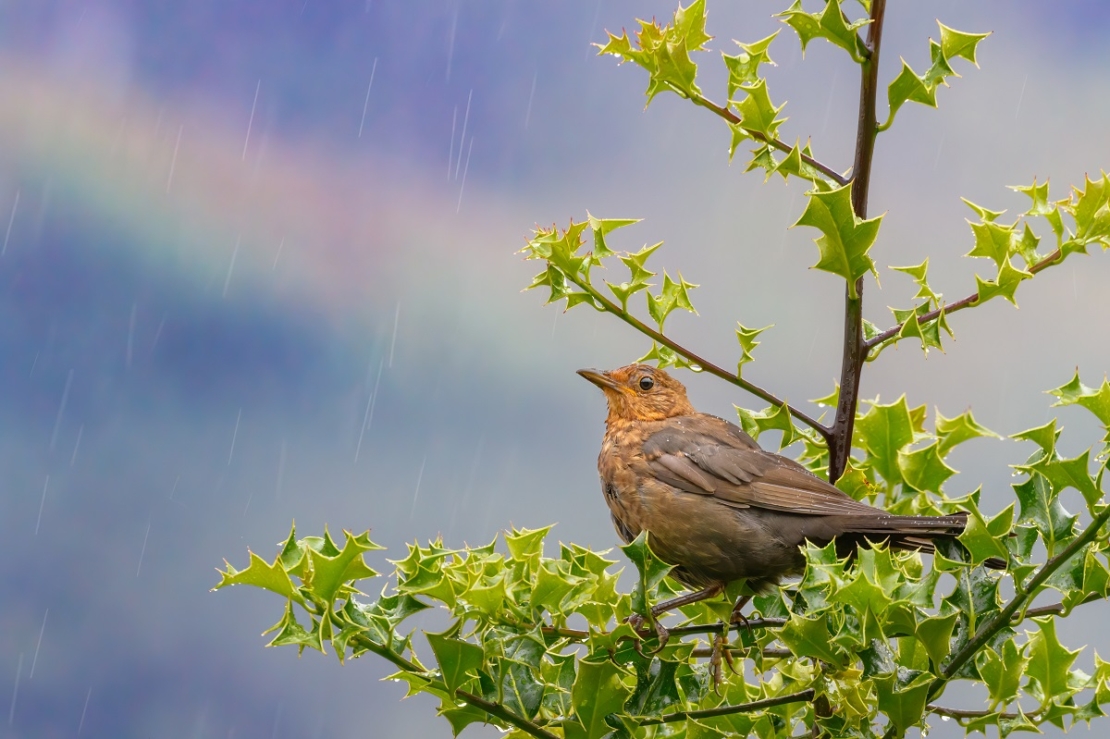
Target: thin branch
column 704, row 364
column 1002, row 619
column 854, row 352
column 493, row 709
column 769, row 652
column 959, row 713
column 734, row 119
column 951, row 307
column 753, row 623
column 799, row 697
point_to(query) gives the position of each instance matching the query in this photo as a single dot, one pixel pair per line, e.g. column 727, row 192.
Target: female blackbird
column 717, row 506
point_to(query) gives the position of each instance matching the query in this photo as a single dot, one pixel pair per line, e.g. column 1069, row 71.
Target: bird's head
column 640, row 392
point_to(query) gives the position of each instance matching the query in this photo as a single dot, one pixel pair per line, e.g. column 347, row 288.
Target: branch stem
column 950, row 308
column 1003, row 618
column 734, row 119
column 804, row 695
column 493, row 709
column 704, row 364
column 854, row 352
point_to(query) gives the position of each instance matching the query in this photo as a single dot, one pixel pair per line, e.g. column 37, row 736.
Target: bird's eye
column 646, row 383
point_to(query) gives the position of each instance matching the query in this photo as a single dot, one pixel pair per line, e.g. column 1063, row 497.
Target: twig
column 734, row 119
column 959, row 713
column 769, row 652
column 804, row 695
column 704, row 364
column 855, row 351
column 753, row 623
column 493, row 709
column 950, row 308
column 1002, row 619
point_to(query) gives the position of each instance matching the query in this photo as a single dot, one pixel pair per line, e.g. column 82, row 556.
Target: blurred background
column 258, row 265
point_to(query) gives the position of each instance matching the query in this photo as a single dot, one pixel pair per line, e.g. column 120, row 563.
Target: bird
column 718, row 507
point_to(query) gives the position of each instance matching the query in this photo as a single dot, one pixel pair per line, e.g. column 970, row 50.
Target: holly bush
column 540, row 642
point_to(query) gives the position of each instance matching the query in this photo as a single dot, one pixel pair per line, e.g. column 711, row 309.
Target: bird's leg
column 636, row 621
column 737, row 616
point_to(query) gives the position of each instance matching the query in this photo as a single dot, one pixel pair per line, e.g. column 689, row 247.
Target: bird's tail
column 904, row 532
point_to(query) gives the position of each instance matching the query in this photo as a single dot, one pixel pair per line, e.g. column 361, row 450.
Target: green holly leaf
column 811, row 637
column 673, row 295
column 757, row 112
column 459, row 661
column 1091, row 209
column 597, row 692
column 664, row 51
column 746, row 336
column 1039, row 195
column 526, row 543
column 919, row 274
column 924, row 469
column 1076, row 393
column 258, row 573
column 959, row 44
column 291, row 633
column 1042, row 510
column 743, row 69
column 993, row 241
column 909, row 86
column 1002, row 671
column 1026, row 246
column 329, row 573
column 903, row 701
column 1004, row 284
column 845, row 238
column 957, row 430
column 884, row 431
column 1043, row 436
column 830, row 24
column 770, row 418
column 1049, row 661
column 521, row 692
column 981, row 542
column 984, row 214
column 650, row 568
column 1063, row 473
column 935, row 634
column 664, row 357
column 601, row 228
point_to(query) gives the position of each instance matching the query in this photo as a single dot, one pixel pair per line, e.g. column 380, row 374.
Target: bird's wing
column 710, row 456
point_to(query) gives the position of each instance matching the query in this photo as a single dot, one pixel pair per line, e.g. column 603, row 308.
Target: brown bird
column 717, row 506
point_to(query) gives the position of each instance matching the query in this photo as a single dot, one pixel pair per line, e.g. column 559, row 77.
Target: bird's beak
column 601, row 379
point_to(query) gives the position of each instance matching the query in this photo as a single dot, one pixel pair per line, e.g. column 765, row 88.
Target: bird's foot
column 739, row 618
column 721, row 652
column 637, row 622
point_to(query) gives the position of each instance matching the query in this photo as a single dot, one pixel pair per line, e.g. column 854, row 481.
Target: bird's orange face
column 640, row 392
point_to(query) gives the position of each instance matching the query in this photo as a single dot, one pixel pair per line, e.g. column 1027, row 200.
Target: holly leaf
column 1076, row 393
column 829, row 24
column 1005, row 284
column 597, row 692
column 651, row 569
column 743, row 69
column 459, row 661
column 757, row 112
column 846, row 238
column 884, row 431
column 957, row 430
column 746, row 336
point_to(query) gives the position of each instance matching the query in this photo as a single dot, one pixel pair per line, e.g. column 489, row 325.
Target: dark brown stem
column 734, row 119
column 804, row 695
column 855, row 351
column 493, row 709
column 951, row 307
column 703, row 364
column 959, row 713
column 1003, row 618
column 753, row 623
